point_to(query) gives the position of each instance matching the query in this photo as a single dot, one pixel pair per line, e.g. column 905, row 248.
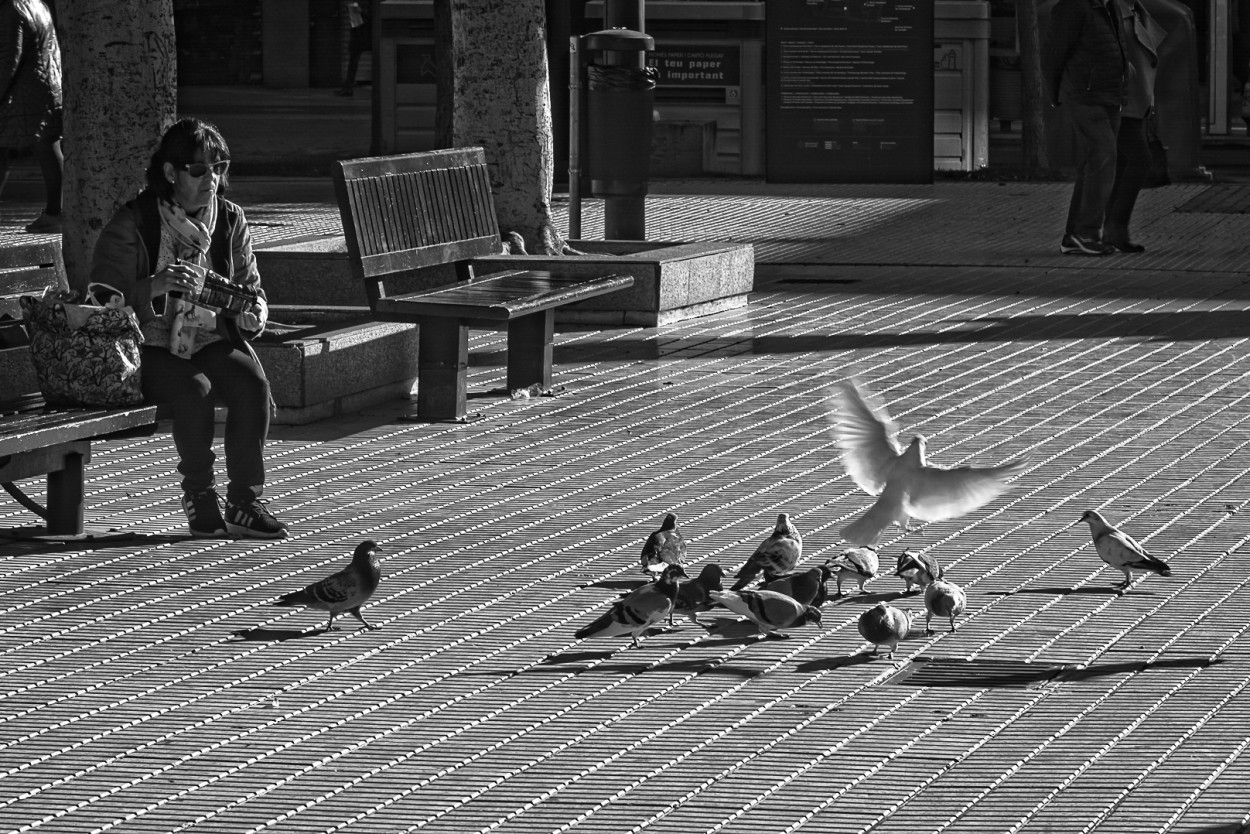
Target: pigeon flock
column 774, row 593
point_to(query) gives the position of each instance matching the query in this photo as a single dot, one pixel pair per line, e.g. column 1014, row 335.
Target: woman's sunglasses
column 199, row 169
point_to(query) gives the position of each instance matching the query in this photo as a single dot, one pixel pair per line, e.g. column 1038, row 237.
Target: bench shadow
column 1109, row 590
column 829, row 664
column 40, row 546
column 1102, row 670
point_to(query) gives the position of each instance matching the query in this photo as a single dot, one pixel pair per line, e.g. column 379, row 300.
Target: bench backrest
column 412, row 211
column 26, row 269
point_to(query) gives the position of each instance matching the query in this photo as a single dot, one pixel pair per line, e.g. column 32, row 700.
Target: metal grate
column 976, row 673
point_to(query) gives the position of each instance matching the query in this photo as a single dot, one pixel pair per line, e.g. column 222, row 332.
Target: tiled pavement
column 148, row 687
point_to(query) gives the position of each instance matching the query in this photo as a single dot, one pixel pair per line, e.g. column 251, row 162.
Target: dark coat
column 1083, row 58
column 30, row 70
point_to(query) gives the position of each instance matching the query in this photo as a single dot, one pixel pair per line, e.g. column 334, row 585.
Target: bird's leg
column 355, row 612
column 838, row 595
column 330, row 623
column 952, row 623
column 928, row 632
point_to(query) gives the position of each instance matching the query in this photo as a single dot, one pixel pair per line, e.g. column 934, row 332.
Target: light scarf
column 189, row 238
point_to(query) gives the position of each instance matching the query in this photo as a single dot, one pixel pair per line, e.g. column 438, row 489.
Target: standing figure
column 30, row 98
column 163, row 251
column 1086, row 70
column 358, row 43
column 1141, row 35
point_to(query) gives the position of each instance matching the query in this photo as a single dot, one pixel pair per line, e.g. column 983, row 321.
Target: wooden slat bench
column 37, row 439
column 421, row 210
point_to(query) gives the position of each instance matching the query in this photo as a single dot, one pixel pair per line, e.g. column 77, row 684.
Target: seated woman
column 161, row 246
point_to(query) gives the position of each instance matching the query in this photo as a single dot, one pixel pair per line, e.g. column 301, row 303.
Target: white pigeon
column 905, row 484
column 1121, row 551
column 855, row 564
column 917, row 569
column 884, row 625
column 943, row 599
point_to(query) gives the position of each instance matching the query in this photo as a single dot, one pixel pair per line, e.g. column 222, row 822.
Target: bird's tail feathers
column 293, row 598
column 866, row 530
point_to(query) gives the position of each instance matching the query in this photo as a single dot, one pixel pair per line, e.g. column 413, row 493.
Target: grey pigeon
column 638, row 610
column 778, row 554
column 1121, row 551
column 346, row 590
column 855, row 564
column 769, row 610
column 917, row 569
column 807, row 587
column 905, row 484
column 943, row 599
column 694, row 595
column 666, row 546
column 884, row 625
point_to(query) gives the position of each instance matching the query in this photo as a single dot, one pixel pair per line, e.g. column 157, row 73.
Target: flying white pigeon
column 905, row 484
column 1121, row 551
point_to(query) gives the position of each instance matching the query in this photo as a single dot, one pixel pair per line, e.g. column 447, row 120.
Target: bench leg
column 67, row 497
column 442, row 369
column 530, row 340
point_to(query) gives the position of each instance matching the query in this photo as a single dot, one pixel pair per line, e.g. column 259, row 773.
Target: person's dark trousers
column 1132, row 163
column 218, row 372
column 1096, row 127
column 358, row 44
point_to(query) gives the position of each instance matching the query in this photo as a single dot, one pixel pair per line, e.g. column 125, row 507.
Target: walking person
column 1086, row 70
column 1142, row 36
column 358, row 43
column 166, row 243
column 30, row 104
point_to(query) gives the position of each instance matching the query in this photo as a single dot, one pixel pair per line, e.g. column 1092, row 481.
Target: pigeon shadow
column 1102, row 670
column 828, row 664
column 868, row 599
column 1110, row 590
column 271, row 635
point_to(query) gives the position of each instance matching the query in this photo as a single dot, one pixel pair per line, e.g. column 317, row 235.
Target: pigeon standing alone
column 665, row 546
column 346, row 590
column 1121, row 551
column 808, row 586
column 779, row 553
column 694, row 596
column 884, row 625
column 638, row 610
column 943, row 599
column 905, row 484
column 855, row 564
column 917, row 569
column 769, row 610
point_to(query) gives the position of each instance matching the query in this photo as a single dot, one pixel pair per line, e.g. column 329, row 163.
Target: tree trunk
column 120, row 85
column 502, row 102
column 1035, row 158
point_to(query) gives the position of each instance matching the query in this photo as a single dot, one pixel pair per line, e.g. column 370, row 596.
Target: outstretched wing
column 934, row 494
column 866, row 435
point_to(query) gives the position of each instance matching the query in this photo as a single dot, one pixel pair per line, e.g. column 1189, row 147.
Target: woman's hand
column 177, row 277
column 252, row 318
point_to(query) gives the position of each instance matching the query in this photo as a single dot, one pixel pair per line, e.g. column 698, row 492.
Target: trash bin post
column 619, row 95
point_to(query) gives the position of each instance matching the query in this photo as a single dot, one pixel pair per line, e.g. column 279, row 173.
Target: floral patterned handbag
column 83, row 355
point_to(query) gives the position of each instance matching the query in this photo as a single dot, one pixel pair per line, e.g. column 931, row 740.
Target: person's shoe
column 343, row 91
column 45, row 223
column 203, row 514
column 253, row 520
column 1077, row 245
column 1127, row 247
